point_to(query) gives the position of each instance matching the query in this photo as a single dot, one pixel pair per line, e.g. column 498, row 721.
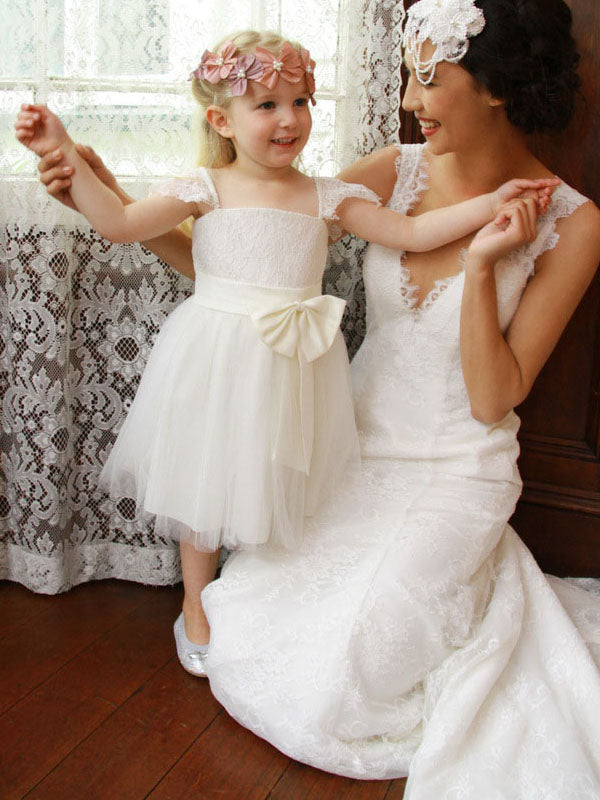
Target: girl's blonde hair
column 215, row 150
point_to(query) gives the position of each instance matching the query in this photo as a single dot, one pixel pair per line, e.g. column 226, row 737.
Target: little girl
column 244, row 417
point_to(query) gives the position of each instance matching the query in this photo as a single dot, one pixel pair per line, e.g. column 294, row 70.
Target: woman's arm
column 499, row 370
column 438, row 227
column 173, row 247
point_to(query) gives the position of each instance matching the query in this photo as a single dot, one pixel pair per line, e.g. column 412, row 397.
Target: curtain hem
column 52, row 574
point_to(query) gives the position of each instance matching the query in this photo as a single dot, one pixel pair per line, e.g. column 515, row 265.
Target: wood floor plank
column 125, row 657
column 68, row 624
column 396, row 790
column 127, row 755
column 100, row 709
column 41, row 733
column 17, row 606
column 74, row 701
column 226, row 763
column 300, row 782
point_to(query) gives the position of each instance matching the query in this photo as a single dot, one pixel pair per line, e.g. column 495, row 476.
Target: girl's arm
column 499, row 370
column 174, row 247
column 110, row 210
column 435, row 228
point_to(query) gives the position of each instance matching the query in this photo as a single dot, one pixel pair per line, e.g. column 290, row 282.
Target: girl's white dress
column 413, row 630
column 243, row 416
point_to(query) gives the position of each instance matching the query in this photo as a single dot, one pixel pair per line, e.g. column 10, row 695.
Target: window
column 116, row 73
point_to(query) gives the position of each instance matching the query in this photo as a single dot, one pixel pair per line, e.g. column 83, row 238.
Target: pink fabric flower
column 214, row 67
column 286, row 64
column 309, row 72
column 199, row 71
column 247, row 68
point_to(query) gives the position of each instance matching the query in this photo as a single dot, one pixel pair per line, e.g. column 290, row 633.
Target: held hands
column 515, row 225
column 539, row 190
column 516, row 205
column 55, row 173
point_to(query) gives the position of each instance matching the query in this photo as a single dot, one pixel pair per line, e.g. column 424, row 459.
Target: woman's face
column 454, row 111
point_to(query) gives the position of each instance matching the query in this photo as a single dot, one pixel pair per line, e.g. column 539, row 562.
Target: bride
column 414, row 633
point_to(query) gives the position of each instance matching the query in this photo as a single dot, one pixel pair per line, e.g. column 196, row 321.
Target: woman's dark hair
column 527, row 57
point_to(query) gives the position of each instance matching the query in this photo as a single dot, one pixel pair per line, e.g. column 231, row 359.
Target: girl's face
column 270, row 127
column 455, row 112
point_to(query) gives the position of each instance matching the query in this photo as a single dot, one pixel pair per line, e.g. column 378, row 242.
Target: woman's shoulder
column 566, row 200
column 569, row 209
column 574, row 214
column 381, row 170
column 376, row 171
column 569, row 233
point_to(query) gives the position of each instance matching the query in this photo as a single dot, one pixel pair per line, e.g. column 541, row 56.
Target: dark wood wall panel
column 559, row 513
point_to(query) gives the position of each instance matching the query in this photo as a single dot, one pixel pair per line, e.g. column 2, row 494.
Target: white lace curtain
column 78, row 314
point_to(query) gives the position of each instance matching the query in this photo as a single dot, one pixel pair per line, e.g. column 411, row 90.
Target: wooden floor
column 94, row 704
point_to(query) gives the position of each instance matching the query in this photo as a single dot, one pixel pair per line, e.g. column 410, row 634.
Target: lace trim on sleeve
column 194, row 188
column 331, row 193
column 565, row 201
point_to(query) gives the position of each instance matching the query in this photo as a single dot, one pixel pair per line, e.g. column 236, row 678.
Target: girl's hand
column 56, row 176
column 540, row 190
column 515, row 225
column 40, row 130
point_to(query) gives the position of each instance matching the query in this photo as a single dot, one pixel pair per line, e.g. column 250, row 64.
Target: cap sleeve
column 332, row 192
column 194, row 188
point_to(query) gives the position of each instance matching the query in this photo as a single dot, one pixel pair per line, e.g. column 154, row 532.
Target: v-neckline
column 408, row 289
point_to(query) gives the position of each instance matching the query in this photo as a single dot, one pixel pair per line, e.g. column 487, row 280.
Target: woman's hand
column 515, row 225
column 56, row 175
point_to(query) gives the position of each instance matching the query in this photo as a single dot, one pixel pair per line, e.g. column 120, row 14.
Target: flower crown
column 261, row 66
column 448, row 25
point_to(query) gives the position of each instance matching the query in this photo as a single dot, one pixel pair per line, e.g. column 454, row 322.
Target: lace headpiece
column 448, row 25
column 261, row 66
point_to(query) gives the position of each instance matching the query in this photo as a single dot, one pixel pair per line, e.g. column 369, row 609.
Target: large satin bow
column 305, row 329
column 310, row 324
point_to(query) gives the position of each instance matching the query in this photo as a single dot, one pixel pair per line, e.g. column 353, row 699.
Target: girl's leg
column 198, row 569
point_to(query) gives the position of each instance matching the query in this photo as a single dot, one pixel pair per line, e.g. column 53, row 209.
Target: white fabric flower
column 448, row 25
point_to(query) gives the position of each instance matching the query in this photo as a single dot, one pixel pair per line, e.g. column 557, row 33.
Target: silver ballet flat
column 192, row 657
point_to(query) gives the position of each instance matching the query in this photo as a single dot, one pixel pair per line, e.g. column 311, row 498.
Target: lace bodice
column 262, row 246
column 413, row 402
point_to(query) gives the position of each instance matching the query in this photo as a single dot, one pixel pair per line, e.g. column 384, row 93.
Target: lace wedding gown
column 413, row 631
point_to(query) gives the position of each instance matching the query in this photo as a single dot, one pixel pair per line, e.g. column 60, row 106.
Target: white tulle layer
column 196, row 449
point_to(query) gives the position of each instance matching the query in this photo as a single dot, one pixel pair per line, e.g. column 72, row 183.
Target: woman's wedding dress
column 413, row 630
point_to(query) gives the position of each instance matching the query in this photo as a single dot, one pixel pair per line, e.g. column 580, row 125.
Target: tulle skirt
column 207, row 446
